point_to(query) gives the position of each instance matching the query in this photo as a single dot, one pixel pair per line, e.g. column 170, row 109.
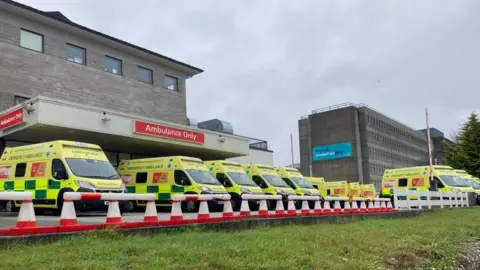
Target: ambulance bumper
column 97, row 205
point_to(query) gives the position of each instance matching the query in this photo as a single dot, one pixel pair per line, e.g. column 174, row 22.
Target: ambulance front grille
column 108, row 191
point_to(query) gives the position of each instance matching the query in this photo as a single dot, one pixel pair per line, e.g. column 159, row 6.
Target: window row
column 76, row 54
column 391, row 129
column 394, row 144
column 400, row 159
column 377, row 168
column 37, row 169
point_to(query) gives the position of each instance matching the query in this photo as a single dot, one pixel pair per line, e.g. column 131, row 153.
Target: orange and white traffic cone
column 244, row 208
column 371, row 206
column 26, row 216
column 279, row 209
column 327, row 210
column 377, row 205
column 337, row 208
column 317, row 209
column 363, row 207
column 347, row 208
column 292, row 210
column 176, row 215
column 113, row 214
column 68, row 216
column 228, row 210
column 203, row 211
column 383, row 206
column 305, row 208
column 389, row 206
column 354, row 207
column 263, row 210
column 151, row 215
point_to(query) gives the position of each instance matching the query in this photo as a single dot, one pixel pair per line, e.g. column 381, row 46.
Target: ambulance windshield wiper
column 113, row 176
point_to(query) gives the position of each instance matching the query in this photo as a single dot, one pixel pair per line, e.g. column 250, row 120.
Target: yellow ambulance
column 166, row 176
column 418, row 178
column 368, row 191
column 235, row 180
column 269, row 181
column 297, row 181
column 52, row 168
column 337, row 188
column 318, row 183
column 470, row 180
column 353, row 190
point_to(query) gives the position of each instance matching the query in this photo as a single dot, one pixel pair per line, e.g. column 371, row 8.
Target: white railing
column 408, row 199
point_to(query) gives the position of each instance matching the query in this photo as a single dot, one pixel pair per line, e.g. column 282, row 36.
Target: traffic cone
column 305, row 208
column 280, row 210
column 292, row 211
column 203, row 212
column 371, row 207
column 227, row 210
column 68, row 215
column 327, row 210
column 263, row 210
column 176, row 215
column 389, row 206
column 363, row 207
column 113, row 214
column 347, row 208
column 151, row 215
column 377, row 206
column 383, row 206
column 26, row 216
column 337, row 208
column 317, row 209
column 354, row 207
column 244, row 208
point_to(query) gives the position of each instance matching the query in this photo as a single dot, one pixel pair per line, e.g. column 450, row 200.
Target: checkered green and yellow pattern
column 44, row 189
column 163, row 193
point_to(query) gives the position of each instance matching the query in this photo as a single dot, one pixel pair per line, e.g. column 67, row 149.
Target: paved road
column 9, row 219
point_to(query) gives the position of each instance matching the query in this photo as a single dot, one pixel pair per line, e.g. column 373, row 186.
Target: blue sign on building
column 332, row 151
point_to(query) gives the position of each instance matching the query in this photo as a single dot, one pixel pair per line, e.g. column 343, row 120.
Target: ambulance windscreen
column 302, row 182
column 202, row 177
column 241, row 179
column 92, row 168
column 275, row 180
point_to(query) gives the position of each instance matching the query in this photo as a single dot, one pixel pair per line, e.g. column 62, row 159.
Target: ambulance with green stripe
column 470, row 180
column 167, row 176
column 235, row 180
column 52, row 168
column 269, row 181
column 418, row 178
column 298, row 183
column 318, row 183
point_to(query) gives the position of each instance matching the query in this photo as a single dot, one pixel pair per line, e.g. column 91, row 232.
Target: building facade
column 357, row 143
column 62, row 81
column 438, row 142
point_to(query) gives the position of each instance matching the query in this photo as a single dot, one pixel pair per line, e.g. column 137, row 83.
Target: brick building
column 357, row 143
column 62, row 80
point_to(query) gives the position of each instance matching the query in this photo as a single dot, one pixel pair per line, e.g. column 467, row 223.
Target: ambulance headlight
column 84, row 184
column 279, row 190
column 244, row 190
column 205, row 189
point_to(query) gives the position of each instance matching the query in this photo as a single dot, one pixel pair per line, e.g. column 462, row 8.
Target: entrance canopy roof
column 44, row 119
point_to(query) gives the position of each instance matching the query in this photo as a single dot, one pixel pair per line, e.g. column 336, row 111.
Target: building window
column 75, row 54
column 171, row 83
column 31, row 40
column 113, row 65
column 145, row 75
column 19, row 99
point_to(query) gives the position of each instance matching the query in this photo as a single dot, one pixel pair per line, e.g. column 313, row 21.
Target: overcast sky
column 269, row 62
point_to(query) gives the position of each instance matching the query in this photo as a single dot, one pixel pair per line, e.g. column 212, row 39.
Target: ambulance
column 470, row 180
column 235, row 180
column 50, row 169
column 167, row 176
column 353, row 190
column 337, row 189
column 298, row 183
column 269, row 181
column 368, row 191
column 318, row 183
column 418, row 178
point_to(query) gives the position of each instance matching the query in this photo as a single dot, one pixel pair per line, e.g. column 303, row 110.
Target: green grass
column 431, row 240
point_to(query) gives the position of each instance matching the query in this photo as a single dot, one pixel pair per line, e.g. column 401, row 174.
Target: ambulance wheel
column 10, row 207
column 190, row 206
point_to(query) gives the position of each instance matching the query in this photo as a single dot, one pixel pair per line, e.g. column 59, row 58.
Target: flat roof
column 54, row 16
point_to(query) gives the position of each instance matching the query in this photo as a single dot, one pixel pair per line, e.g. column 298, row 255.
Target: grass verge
column 430, row 240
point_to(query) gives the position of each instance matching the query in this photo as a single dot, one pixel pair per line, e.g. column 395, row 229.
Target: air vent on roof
column 192, row 122
column 217, row 125
column 58, row 15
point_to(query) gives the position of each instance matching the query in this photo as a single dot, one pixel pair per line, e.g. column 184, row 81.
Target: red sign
column 168, row 132
column 5, row 172
column 417, row 182
column 160, row 177
column 11, row 119
column 38, row 169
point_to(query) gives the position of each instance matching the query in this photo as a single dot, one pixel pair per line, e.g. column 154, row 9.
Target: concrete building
column 258, row 153
column 61, row 80
column 356, row 143
column 438, row 141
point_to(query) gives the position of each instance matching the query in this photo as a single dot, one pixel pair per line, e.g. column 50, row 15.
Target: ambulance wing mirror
column 60, row 174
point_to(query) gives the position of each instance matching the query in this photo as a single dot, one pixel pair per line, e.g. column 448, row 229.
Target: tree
column 464, row 153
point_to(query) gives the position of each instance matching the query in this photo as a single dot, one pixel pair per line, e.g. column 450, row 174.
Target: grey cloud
column 269, row 62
